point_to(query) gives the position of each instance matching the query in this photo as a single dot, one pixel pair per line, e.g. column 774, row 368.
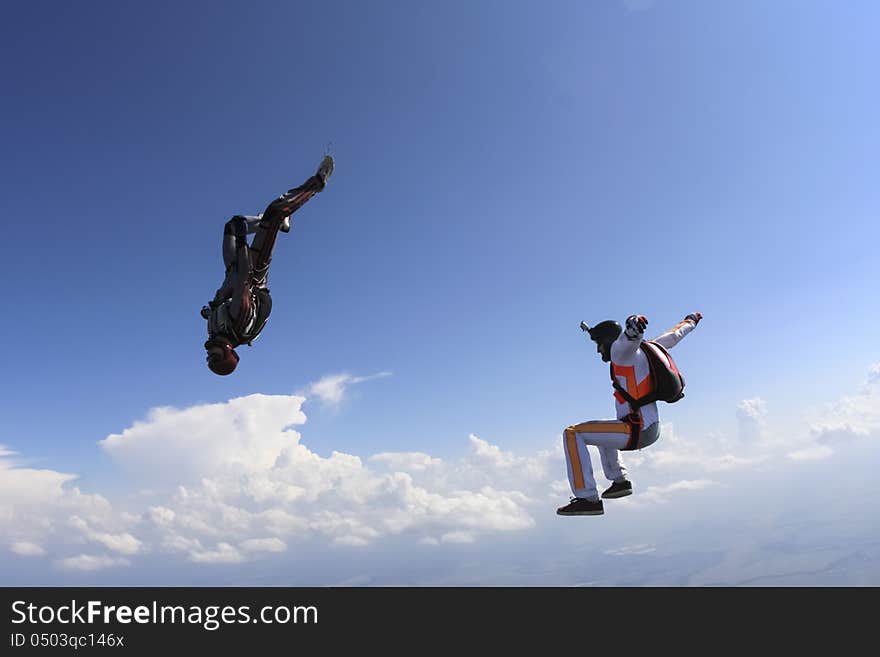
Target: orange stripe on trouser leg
column 600, row 427
column 574, row 457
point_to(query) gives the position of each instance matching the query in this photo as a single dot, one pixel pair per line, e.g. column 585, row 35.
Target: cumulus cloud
column 751, row 416
column 848, row 420
column 234, row 482
column 263, row 545
column 661, row 494
column 36, row 507
column 123, row 543
column 27, row 549
column 221, row 553
column 243, row 435
column 457, row 537
column 246, row 485
column 815, row 453
column 697, row 456
column 408, row 461
column 90, row 562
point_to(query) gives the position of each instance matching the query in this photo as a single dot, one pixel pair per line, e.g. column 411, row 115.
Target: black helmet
column 604, row 334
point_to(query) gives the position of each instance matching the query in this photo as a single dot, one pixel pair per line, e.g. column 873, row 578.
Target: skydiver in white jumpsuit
column 633, row 429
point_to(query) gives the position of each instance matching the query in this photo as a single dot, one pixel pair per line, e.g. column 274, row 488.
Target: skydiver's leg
column 267, row 228
column 234, row 232
column 609, row 436
column 648, row 436
column 234, row 227
column 579, row 466
column 236, row 257
column 612, row 466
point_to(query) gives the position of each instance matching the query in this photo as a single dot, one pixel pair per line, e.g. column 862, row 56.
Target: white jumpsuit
column 630, row 368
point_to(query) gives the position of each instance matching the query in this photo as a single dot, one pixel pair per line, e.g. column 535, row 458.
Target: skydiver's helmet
column 604, row 334
column 222, row 358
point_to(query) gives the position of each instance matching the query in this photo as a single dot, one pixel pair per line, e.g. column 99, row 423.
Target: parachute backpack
column 668, row 381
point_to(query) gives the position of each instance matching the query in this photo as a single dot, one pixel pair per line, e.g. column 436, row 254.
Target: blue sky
column 504, row 170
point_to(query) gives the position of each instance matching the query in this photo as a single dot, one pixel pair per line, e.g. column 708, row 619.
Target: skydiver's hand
column 694, row 317
column 635, row 326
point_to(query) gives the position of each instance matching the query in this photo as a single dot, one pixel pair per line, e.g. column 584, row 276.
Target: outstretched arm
column 674, row 335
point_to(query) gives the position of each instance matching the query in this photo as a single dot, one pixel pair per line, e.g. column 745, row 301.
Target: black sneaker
column 581, row 507
column 618, row 489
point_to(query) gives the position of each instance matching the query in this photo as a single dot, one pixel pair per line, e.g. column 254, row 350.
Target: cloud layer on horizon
column 232, row 482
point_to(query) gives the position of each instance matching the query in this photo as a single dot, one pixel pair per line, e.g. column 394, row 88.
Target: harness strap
column 634, row 419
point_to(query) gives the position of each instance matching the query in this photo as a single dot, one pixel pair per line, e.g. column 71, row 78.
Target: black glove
column 635, row 326
column 694, row 317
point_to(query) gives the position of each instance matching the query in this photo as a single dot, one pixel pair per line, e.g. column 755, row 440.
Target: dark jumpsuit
column 236, row 303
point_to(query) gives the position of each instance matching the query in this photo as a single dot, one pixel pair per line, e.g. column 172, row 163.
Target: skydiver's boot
column 580, row 506
column 618, row 489
column 324, row 170
column 295, row 198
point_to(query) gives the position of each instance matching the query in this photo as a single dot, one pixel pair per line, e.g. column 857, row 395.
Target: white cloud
column 255, row 477
column 161, row 515
column 457, row 537
column 641, row 548
column 27, row 549
column 350, row 541
column 221, row 553
column 243, row 435
column 698, row 455
column 263, row 545
column 815, row 453
column 751, row 415
column 233, row 483
column 409, row 461
column 123, row 543
column 90, row 562
column 850, row 419
column 36, row 507
column 330, row 390
column 661, row 494
column 755, row 408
